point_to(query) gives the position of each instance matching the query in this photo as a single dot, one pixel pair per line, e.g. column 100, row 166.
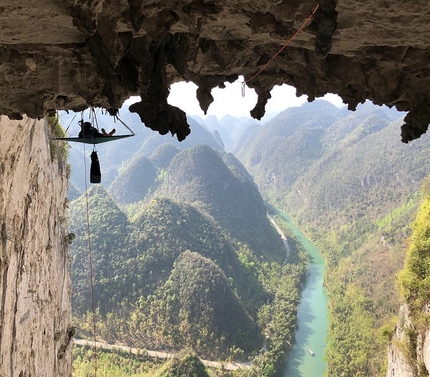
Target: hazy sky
column 230, row 100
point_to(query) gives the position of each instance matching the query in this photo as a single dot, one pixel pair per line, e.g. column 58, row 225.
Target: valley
column 312, row 316
column 186, row 257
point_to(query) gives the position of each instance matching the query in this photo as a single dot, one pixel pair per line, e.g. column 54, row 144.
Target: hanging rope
column 281, row 49
column 70, row 123
column 94, row 121
column 93, row 117
column 128, row 128
column 91, row 267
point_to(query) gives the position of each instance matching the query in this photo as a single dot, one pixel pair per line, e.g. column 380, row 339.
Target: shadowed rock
column 99, row 53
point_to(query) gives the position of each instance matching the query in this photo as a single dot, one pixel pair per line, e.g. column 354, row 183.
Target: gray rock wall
column 100, row 52
column 398, row 365
column 404, row 360
column 35, row 287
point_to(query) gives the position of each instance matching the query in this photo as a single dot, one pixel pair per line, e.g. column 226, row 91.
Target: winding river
column 312, row 316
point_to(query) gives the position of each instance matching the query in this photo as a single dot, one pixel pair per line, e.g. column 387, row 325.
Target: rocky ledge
column 71, row 54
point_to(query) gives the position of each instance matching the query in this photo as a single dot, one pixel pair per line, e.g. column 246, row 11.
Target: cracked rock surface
column 71, row 54
column 35, row 287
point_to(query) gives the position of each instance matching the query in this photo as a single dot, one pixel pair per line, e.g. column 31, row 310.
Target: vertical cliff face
column 409, row 351
column 35, row 288
column 398, row 363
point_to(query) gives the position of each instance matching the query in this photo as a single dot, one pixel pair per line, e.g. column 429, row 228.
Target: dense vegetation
column 350, row 184
column 200, row 177
column 113, row 364
column 163, row 155
column 414, row 278
column 135, row 265
column 414, row 284
column 195, row 264
column 133, row 186
column 125, row 364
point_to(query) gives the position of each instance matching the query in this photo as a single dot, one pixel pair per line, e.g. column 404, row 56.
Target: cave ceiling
column 72, row 54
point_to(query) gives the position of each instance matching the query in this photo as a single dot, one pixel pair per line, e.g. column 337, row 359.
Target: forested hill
column 335, row 166
column 265, row 146
column 183, row 256
column 350, row 183
column 199, row 176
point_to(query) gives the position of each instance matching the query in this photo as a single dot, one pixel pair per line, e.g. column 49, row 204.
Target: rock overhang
column 72, row 54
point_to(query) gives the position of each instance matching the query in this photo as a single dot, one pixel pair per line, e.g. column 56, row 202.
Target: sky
column 229, row 101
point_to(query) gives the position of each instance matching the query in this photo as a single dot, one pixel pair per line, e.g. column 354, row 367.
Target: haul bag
column 95, row 173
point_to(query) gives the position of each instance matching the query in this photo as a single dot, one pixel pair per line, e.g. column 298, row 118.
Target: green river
column 312, row 316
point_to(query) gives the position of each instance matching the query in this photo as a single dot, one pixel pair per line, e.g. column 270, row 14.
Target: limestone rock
column 71, row 54
column 35, row 288
column 409, row 350
column 398, row 365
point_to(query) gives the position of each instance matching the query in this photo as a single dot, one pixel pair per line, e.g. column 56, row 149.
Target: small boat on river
column 311, row 352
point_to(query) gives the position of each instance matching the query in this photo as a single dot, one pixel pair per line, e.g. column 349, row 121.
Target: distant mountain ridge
column 271, row 143
column 228, row 127
column 349, row 182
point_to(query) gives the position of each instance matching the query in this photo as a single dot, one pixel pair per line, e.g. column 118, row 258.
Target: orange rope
column 282, row 48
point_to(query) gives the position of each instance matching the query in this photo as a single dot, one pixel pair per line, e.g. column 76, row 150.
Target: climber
column 88, row 131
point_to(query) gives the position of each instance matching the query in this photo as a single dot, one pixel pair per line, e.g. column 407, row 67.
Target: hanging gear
column 95, row 172
column 97, row 137
column 90, row 252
